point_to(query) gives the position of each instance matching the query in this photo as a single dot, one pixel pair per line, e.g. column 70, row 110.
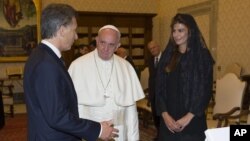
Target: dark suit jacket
column 151, row 91
column 51, row 101
column 152, row 78
column 130, row 60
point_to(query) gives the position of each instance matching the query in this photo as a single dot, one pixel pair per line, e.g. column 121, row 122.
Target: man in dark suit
column 122, row 52
column 155, row 51
column 81, row 50
column 49, row 92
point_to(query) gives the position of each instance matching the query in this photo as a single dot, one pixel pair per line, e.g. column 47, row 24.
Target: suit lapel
column 58, row 62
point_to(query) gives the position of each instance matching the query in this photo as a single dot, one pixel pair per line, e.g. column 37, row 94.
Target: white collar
column 54, row 48
column 159, row 56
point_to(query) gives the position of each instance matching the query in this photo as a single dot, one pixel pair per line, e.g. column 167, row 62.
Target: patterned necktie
column 156, row 61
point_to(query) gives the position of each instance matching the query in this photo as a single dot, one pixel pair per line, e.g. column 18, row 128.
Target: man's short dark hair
column 54, row 16
column 81, row 46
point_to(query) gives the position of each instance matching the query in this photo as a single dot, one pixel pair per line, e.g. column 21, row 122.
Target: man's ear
column 118, row 45
column 97, row 40
column 60, row 31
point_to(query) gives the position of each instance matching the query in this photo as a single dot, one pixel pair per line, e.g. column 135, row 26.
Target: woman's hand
column 184, row 121
column 171, row 124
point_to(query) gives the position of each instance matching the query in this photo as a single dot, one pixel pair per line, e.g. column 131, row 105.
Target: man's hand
column 108, row 131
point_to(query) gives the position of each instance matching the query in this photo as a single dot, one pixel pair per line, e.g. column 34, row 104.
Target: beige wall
column 233, row 33
column 232, row 23
column 128, row 6
column 233, row 38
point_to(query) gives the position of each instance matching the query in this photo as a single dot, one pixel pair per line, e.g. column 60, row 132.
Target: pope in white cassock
column 107, row 85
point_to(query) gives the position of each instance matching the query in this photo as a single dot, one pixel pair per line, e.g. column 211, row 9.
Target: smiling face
column 180, row 35
column 107, row 43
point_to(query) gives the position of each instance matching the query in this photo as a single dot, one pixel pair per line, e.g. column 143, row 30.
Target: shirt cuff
column 100, row 131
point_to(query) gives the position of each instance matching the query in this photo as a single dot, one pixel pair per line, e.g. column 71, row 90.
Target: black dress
column 174, row 100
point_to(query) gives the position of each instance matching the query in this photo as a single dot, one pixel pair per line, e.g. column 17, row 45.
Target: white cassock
column 108, row 90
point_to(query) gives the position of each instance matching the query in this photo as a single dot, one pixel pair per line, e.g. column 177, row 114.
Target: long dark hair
column 195, row 40
column 195, row 67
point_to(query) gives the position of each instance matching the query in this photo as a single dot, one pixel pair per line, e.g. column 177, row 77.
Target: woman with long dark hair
column 184, row 82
